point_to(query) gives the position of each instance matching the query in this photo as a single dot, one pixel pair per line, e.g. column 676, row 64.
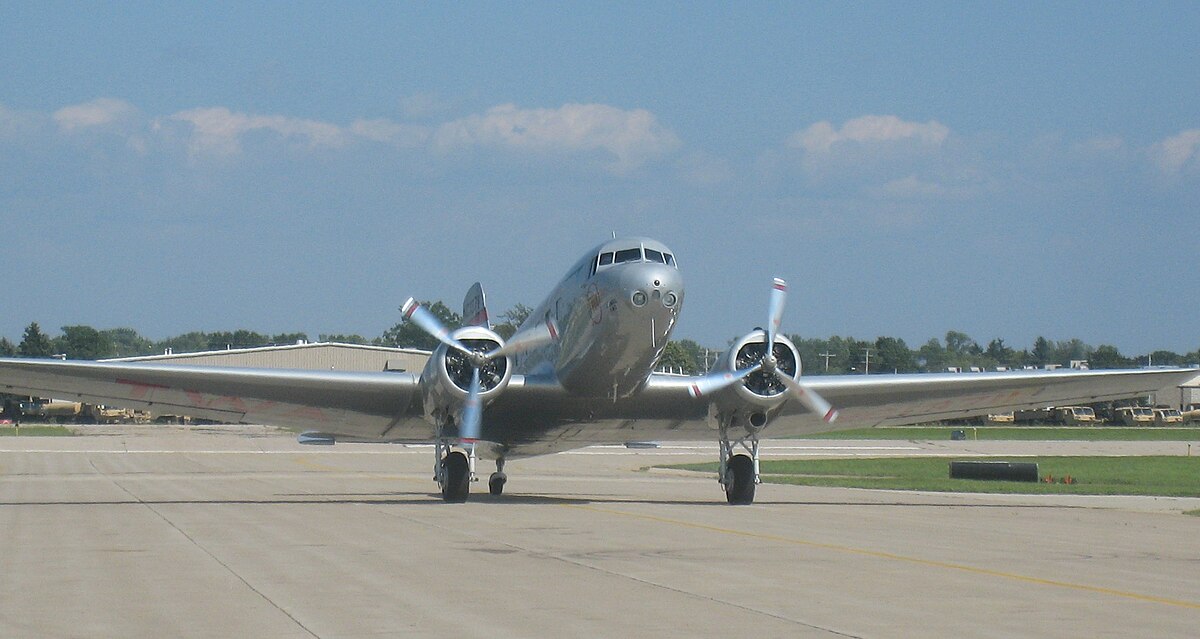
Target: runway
column 241, row 532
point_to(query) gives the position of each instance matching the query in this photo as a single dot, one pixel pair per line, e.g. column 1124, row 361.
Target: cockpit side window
column 654, row 256
column 606, row 259
column 629, row 255
column 669, row 259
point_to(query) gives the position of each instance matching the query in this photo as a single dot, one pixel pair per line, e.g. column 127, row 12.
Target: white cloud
column 218, row 130
column 388, row 132
column 632, row 137
column 98, row 112
column 1173, row 153
column 822, row 136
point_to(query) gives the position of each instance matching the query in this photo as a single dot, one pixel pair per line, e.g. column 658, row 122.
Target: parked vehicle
column 1167, row 417
column 1075, row 415
column 1136, row 415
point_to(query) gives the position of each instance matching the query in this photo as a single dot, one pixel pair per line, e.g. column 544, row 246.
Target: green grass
column 37, row 431
column 1194, row 513
column 1160, row 476
column 1034, row 433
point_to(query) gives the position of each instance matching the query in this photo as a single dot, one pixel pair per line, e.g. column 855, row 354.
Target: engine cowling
column 447, row 377
column 751, row 401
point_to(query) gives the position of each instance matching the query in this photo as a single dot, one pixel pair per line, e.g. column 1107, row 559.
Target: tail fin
column 475, row 308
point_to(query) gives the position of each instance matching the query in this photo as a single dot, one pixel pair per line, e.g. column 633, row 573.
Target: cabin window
column 629, row 255
column 654, row 256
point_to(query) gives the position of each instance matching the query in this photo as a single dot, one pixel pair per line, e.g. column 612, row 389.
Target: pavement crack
column 206, row 551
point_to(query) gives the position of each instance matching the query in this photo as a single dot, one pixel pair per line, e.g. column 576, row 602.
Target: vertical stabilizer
column 475, row 308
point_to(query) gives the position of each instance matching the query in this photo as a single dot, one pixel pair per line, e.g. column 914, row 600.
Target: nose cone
column 655, row 290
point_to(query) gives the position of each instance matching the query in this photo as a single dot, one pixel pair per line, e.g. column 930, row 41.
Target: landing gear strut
column 497, row 480
column 738, row 472
column 453, row 470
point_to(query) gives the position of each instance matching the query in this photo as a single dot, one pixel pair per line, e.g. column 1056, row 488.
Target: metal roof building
column 314, row 356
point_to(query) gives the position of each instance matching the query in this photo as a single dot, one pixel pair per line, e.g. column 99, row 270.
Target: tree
column 126, row 342
column 35, row 343
column 289, row 338
column 408, row 335
column 1000, row 354
column 894, row 356
column 934, row 355
column 1041, row 351
column 240, row 338
column 84, row 342
column 344, row 339
column 192, row 342
column 1166, row 358
column 513, row 318
column 7, row 348
column 676, row 358
column 1106, row 356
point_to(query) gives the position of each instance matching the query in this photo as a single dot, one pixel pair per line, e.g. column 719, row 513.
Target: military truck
column 1075, row 415
column 1167, row 417
column 1136, row 415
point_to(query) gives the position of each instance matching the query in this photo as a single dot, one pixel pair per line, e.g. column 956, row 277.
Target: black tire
column 739, row 480
column 456, row 485
column 496, row 483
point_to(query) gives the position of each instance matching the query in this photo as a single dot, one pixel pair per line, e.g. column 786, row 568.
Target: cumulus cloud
column 217, row 130
column 822, row 136
column 98, row 112
column 1175, row 152
column 632, row 137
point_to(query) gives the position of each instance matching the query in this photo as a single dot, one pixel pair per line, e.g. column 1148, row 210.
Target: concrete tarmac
column 240, row 532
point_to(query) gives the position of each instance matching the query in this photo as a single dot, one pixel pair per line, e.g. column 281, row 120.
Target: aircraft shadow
column 419, row 499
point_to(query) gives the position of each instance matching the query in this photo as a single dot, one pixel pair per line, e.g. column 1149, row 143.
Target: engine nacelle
column 446, row 379
column 751, row 402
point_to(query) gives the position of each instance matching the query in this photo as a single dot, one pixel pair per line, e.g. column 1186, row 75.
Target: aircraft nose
column 654, row 288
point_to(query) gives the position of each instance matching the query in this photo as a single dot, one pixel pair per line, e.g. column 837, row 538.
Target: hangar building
column 307, row 356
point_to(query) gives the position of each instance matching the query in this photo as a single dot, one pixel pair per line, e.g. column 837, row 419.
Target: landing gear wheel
column 496, row 483
column 456, row 473
column 739, row 480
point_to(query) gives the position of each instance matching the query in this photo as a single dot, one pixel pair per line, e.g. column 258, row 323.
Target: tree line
column 834, row 355
column 86, row 342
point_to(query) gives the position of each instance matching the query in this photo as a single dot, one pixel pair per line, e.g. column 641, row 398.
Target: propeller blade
column 423, row 317
column 775, row 312
column 528, row 339
column 472, row 413
column 714, row 382
column 811, row 400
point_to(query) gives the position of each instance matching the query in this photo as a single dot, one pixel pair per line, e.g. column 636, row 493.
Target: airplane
column 578, row 372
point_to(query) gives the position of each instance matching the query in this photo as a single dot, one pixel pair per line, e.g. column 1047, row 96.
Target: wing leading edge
column 384, row 405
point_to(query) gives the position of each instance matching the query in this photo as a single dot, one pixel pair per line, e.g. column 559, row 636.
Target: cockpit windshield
column 628, row 255
column 636, row 254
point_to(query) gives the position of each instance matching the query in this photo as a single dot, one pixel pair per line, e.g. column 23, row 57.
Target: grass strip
column 37, row 431
column 1165, row 476
column 1022, row 433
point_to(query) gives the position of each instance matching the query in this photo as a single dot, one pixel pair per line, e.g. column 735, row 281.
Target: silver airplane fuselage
column 615, row 310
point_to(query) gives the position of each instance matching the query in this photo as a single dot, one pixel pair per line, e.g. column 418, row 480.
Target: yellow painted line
column 878, row 554
column 308, row 463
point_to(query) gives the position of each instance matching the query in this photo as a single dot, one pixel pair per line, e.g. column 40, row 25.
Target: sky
column 1007, row 170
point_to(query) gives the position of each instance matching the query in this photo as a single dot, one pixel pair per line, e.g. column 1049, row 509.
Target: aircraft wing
column 535, row 415
column 353, row 404
column 891, row 400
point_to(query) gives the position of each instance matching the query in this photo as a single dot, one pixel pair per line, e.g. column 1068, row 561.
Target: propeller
column 472, row 413
column 768, row 363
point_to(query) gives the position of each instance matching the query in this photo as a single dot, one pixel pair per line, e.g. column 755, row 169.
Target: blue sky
column 911, row 168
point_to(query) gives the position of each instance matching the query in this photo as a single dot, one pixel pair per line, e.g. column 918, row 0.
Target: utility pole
column 826, row 356
column 866, row 361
